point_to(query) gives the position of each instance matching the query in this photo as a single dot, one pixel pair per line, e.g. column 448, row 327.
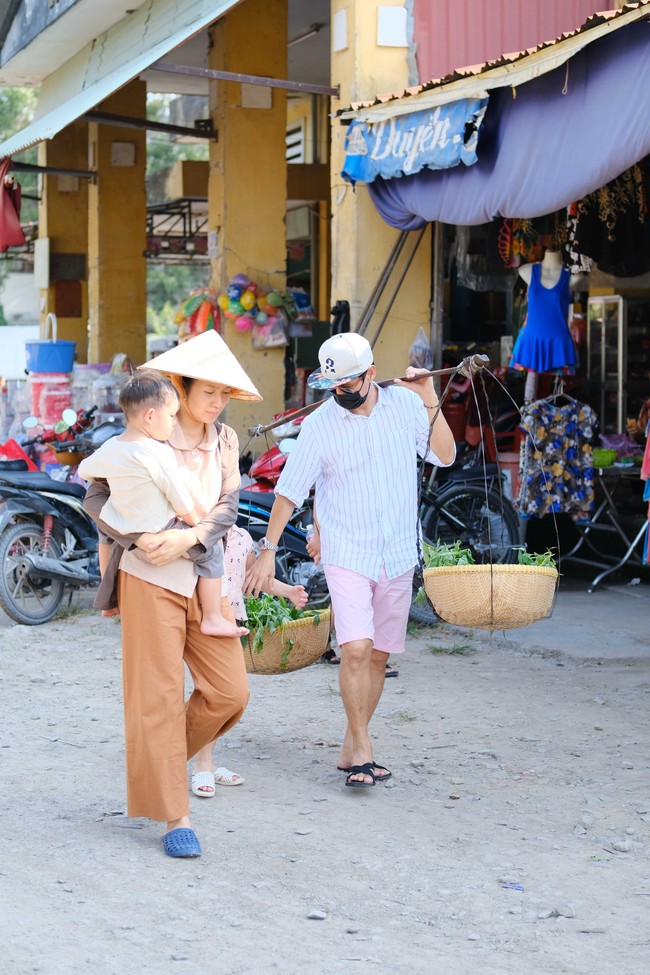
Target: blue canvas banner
column 436, row 138
column 539, row 152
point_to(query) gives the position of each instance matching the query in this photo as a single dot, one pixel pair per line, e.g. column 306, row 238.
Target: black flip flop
column 331, row 657
column 366, row 769
column 378, row 778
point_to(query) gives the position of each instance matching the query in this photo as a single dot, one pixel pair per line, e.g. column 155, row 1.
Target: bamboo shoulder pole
column 469, row 366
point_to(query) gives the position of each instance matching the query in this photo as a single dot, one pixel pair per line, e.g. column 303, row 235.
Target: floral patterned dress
column 556, row 461
column 239, row 546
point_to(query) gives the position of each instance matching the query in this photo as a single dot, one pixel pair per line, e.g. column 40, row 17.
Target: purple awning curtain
column 543, row 149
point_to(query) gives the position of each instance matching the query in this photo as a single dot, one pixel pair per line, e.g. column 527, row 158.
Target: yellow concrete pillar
column 117, row 222
column 63, row 219
column 361, row 241
column 248, row 179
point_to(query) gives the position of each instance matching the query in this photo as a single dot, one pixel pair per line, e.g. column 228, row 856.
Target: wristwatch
column 268, row 546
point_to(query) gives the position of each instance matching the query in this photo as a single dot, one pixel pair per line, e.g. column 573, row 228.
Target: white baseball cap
column 342, row 357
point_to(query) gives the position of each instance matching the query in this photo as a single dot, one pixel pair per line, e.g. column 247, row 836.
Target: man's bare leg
column 361, row 679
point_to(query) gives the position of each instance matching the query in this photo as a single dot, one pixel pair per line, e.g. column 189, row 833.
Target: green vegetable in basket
column 545, row 559
column 266, row 613
column 441, row 555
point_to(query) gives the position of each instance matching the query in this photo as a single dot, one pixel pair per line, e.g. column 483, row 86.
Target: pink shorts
column 369, row 610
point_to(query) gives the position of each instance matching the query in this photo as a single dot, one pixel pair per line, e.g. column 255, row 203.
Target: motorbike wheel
column 294, row 571
column 27, row 601
column 485, row 523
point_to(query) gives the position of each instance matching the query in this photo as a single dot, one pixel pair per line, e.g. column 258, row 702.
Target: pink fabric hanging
column 11, row 233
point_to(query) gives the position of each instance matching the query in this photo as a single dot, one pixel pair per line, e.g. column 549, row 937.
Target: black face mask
column 352, row 401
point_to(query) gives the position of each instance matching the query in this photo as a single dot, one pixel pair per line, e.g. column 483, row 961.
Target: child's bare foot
column 111, row 612
column 298, row 596
column 220, row 626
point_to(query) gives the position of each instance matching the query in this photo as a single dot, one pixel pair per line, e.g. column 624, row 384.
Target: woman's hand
column 167, row 546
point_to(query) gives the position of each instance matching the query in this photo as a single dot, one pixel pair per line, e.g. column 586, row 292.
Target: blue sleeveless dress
column 544, row 343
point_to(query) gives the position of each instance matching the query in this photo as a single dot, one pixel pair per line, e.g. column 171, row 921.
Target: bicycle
column 470, row 507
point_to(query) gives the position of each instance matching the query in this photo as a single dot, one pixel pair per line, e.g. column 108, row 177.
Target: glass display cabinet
column 618, row 358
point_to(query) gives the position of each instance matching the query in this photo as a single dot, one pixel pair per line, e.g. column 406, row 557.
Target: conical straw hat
column 206, row 357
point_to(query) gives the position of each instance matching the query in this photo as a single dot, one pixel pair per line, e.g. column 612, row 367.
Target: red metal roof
column 594, row 21
column 475, row 31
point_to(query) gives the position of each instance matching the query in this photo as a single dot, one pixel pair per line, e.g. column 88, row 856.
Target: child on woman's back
column 148, row 490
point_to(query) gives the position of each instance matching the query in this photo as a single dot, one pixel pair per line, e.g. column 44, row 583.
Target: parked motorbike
column 48, row 544
column 265, row 471
column 293, row 564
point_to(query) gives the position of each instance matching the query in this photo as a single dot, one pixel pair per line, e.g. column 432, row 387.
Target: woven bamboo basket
column 491, row 597
column 295, row 645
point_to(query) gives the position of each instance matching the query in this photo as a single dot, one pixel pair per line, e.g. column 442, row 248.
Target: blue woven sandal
column 181, row 843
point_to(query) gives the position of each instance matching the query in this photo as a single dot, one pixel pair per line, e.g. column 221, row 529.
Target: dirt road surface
column 512, row 839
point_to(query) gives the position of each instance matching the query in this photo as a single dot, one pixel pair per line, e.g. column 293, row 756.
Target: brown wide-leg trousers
column 160, row 631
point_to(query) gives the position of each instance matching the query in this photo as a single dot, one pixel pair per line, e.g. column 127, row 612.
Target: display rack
column 618, row 358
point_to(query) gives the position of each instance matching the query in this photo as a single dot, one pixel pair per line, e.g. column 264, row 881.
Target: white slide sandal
column 223, row 776
column 203, row 785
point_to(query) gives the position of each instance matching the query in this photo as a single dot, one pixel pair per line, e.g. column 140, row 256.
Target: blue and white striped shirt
column 365, row 472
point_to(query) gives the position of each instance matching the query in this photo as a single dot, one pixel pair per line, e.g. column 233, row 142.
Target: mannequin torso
column 550, row 271
column 544, row 344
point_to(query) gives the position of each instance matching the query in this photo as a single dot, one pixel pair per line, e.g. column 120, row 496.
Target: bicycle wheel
column 484, row 523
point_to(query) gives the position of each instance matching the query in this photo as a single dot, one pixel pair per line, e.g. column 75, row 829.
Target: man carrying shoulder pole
column 359, row 450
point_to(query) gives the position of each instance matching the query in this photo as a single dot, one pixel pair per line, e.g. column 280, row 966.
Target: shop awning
column 111, row 61
column 550, row 141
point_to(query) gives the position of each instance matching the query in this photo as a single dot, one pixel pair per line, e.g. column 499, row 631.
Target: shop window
column 295, row 142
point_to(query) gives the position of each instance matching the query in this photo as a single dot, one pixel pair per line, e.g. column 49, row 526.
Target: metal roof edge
column 508, row 70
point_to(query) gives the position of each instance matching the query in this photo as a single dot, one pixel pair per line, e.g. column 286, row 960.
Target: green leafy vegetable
column 441, row 555
column 266, row 613
column 544, row 559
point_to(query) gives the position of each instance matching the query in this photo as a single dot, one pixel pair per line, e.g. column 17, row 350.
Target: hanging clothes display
column 645, row 476
column 544, row 343
column 556, row 458
column 612, row 225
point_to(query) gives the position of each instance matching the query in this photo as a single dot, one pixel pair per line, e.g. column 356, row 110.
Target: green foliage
column 458, row 649
column 16, row 111
column 167, row 287
column 545, row 559
column 163, row 151
column 441, row 555
column 266, row 613
column 169, row 284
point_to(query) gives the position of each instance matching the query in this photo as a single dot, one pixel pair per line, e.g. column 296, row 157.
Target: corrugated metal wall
column 455, row 33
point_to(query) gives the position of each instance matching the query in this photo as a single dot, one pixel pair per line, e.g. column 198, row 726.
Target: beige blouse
column 202, row 468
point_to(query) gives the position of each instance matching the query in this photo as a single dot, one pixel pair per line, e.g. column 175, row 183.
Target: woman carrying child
column 159, row 604
column 147, row 488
